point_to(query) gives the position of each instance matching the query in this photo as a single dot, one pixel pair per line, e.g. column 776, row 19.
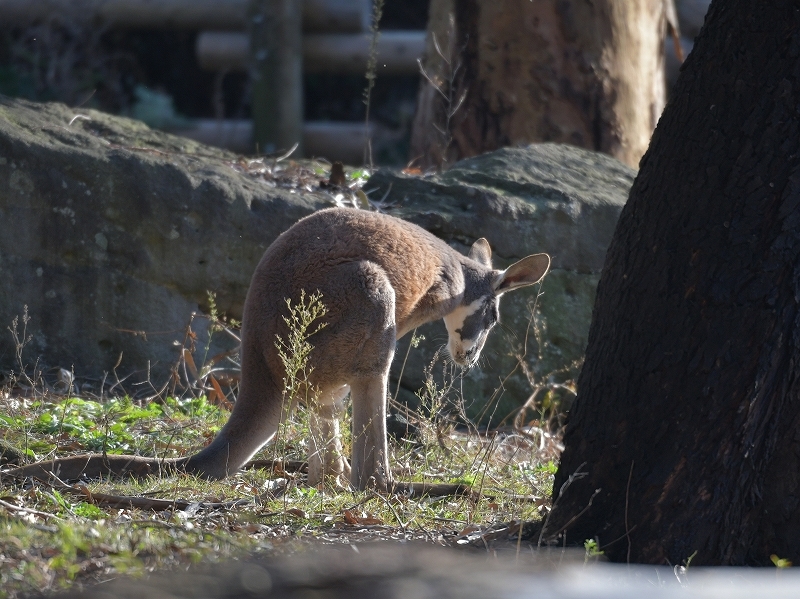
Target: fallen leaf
column 220, row 398
column 363, row 520
column 469, row 529
column 187, row 357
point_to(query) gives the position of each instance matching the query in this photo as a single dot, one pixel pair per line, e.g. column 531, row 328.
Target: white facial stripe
column 455, row 320
column 463, row 352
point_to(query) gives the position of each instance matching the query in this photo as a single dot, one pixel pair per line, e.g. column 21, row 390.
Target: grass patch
column 54, row 535
column 51, row 537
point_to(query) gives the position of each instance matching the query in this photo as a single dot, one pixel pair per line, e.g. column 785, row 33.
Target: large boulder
column 112, row 234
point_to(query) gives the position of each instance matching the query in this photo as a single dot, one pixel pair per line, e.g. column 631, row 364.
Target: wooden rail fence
column 276, row 41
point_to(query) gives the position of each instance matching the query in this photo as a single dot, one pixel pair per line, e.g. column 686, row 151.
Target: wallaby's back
column 413, row 259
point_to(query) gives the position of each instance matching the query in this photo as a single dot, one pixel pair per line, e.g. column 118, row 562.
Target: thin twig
column 403, row 367
column 577, row 475
column 403, row 525
column 27, row 510
column 627, row 530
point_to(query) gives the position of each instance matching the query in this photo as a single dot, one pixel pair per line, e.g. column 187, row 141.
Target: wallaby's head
column 469, row 324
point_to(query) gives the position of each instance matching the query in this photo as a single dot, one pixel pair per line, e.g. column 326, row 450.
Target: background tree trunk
column 276, row 70
column 687, row 422
column 590, row 74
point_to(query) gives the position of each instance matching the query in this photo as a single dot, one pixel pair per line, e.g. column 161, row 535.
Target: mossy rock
column 112, row 233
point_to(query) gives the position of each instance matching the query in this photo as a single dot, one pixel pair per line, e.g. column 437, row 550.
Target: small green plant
column 592, row 550
column 780, row 562
column 468, row 478
column 295, row 349
column 549, row 467
column 307, row 492
column 359, row 176
column 117, row 425
column 88, row 511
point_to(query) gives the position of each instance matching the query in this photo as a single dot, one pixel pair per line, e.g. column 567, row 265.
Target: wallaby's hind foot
column 326, row 461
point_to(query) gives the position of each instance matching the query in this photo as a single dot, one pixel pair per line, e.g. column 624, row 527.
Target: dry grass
column 56, row 534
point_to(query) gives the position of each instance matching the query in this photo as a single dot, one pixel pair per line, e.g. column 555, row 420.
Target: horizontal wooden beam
column 344, row 16
column 398, row 52
column 337, row 140
column 332, row 140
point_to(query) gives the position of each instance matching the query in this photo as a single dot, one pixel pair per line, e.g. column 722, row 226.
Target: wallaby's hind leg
column 356, row 348
column 370, row 457
column 325, row 456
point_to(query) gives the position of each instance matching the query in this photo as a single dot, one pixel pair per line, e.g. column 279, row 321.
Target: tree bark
column 590, row 74
column 686, row 424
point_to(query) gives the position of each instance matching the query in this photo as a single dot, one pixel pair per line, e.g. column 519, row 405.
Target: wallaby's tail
column 99, row 466
column 253, row 422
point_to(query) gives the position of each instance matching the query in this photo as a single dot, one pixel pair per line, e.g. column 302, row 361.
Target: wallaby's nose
column 468, row 356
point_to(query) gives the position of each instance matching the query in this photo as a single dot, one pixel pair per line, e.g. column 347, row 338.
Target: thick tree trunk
column 687, row 423
column 589, row 74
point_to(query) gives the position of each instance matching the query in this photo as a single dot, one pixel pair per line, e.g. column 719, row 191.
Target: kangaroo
column 379, row 277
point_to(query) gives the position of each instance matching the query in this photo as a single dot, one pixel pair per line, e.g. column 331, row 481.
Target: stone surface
column 108, row 228
column 112, row 234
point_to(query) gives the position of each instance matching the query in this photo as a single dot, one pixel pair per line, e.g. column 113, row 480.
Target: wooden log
column 343, row 16
column 222, row 50
column 398, row 52
column 276, row 72
column 343, row 141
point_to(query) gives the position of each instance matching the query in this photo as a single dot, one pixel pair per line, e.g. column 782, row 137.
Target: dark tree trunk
column 590, row 74
column 688, row 415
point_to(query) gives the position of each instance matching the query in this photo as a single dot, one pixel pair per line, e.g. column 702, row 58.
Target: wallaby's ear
column 481, row 252
column 527, row 271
